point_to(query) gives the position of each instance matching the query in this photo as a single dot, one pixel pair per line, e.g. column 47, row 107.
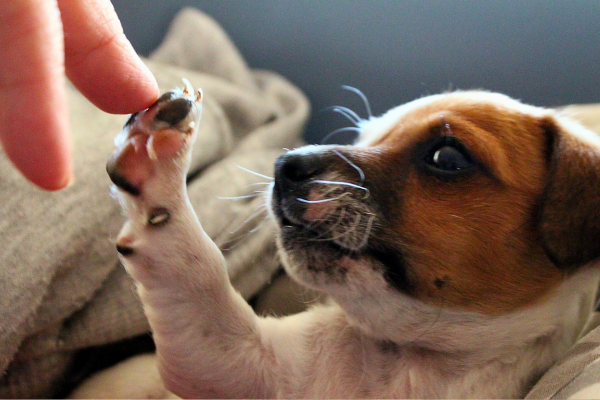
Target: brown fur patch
column 571, row 212
column 470, row 242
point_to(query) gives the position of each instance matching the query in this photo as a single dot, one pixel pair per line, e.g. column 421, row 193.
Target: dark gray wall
column 543, row 52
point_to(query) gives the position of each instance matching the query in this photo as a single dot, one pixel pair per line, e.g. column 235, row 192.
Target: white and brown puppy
column 457, row 239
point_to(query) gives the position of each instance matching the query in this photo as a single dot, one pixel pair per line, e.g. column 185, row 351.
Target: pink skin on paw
column 166, row 143
column 134, row 160
column 131, row 161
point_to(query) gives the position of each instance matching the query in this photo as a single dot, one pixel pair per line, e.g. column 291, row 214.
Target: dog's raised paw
column 162, row 133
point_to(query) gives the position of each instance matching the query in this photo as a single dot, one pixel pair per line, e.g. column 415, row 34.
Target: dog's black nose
column 292, row 169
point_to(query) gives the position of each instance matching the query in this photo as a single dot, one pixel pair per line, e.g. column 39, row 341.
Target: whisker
column 322, row 201
column 260, row 225
column 367, row 192
column 362, row 96
column 356, row 167
column 254, row 173
column 249, row 196
column 305, row 292
column 346, row 129
column 259, row 183
column 255, row 214
column 237, row 197
column 339, row 183
column 352, row 228
column 365, row 239
column 345, row 233
column 330, row 189
column 346, row 112
column 233, row 246
column 349, row 113
column 316, row 224
column 239, row 239
column 331, row 228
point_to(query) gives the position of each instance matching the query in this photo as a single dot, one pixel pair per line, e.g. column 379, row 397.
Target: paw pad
column 124, row 250
column 163, row 132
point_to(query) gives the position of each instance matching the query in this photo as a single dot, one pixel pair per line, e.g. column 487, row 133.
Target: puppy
column 457, row 240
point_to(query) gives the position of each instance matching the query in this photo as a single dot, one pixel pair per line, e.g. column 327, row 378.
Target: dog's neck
column 554, row 324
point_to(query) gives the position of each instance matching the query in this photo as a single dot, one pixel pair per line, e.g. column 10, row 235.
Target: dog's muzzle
column 295, row 175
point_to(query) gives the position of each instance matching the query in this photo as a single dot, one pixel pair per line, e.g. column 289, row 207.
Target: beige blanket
column 61, row 288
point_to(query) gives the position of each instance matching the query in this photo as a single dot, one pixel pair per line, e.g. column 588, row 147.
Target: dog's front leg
column 207, row 337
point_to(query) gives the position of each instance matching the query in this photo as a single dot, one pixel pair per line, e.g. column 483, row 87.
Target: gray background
column 542, row 52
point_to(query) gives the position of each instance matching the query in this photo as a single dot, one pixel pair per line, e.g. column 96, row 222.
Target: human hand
column 36, row 50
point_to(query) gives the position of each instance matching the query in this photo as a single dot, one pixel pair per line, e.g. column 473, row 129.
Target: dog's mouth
column 294, row 228
column 347, row 230
column 311, row 238
column 319, row 249
column 310, row 252
column 318, row 204
column 339, row 222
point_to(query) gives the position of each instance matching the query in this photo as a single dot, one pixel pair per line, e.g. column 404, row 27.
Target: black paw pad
column 124, row 250
column 174, row 111
column 121, row 182
column 165, row 97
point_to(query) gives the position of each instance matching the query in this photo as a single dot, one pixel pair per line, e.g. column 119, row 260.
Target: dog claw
column 187, row 88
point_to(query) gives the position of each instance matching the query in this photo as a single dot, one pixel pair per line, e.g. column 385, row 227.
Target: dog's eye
column 449, row 157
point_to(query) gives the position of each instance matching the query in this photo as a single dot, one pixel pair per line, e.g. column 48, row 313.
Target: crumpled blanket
column 61, row 286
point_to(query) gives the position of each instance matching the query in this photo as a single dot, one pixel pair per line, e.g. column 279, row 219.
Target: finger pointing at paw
column 34, row 128
column 101, row 62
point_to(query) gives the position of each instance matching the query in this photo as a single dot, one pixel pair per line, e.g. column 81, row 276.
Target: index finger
column 100, row 61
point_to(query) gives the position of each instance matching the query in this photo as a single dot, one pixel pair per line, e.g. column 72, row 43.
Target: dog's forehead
column 471, row 104
column 505, row 134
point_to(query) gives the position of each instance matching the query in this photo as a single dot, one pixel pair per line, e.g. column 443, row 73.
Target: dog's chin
column 323, row 264
column 310, row 259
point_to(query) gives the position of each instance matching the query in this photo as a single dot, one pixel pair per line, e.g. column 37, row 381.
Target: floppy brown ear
column 570, row 213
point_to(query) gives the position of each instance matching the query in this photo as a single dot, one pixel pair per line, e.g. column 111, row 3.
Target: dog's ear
column 570, row 210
